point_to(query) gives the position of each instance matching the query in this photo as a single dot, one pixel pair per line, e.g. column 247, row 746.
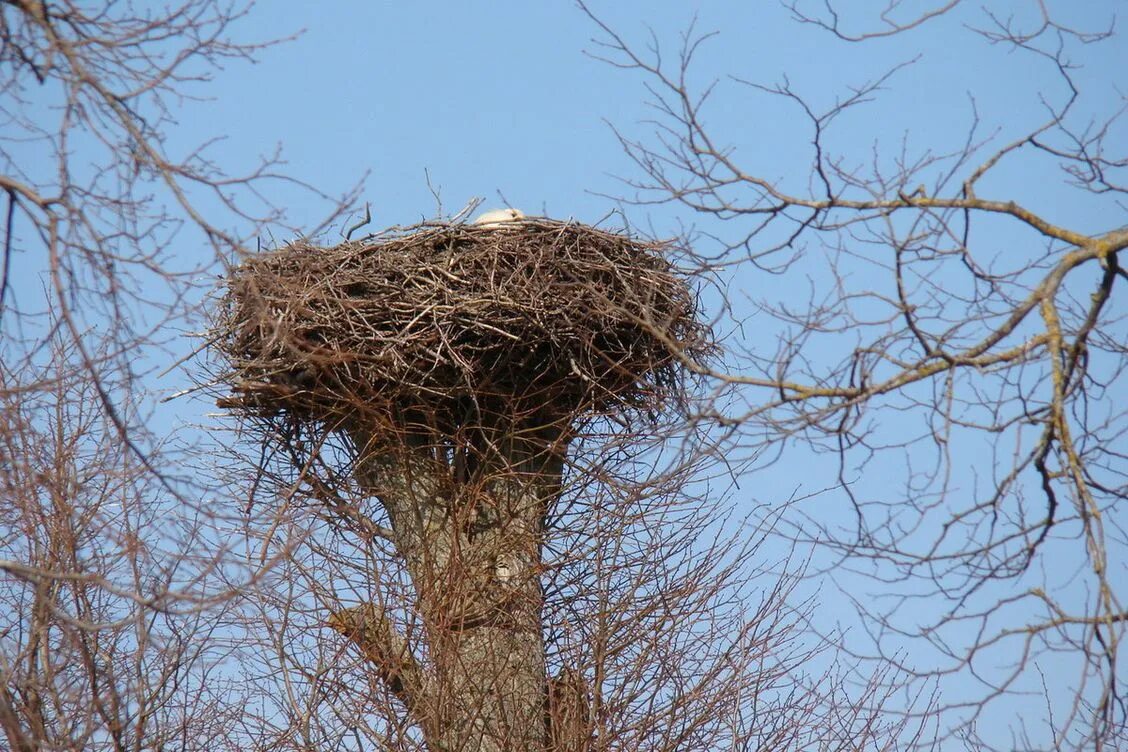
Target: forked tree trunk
column 472, row 550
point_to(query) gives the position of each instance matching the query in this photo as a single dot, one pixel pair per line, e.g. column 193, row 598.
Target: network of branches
column 943, row 318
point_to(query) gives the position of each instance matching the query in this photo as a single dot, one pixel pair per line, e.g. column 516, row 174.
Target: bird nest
column 556, row 319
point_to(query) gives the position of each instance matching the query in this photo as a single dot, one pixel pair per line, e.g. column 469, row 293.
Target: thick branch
column 368, row 627
column 10, row 722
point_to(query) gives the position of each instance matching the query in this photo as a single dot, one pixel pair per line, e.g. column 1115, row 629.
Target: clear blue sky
column 499, row 96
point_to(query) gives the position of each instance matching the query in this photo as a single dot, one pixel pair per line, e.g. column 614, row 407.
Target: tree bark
column 472, row 548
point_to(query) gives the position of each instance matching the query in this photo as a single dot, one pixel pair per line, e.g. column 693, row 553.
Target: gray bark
column 472, row 546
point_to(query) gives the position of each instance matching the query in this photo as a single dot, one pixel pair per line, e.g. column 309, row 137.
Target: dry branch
column 388, row 651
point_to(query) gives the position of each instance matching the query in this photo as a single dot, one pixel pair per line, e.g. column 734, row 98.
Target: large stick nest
column 538, row 316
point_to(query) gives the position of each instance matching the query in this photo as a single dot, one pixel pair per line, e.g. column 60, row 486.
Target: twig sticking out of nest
column 538, row 316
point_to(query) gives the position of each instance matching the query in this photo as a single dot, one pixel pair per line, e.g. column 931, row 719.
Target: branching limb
column 370, row 629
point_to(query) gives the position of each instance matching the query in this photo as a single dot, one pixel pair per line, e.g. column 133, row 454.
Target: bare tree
column 114, row 583
column 983, row 388
column 110, row 594
column 470, row 431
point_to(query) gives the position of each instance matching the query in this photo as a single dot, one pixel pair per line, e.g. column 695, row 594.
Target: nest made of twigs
column 552, row 317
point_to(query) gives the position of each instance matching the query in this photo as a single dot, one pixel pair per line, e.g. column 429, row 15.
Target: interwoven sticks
column 542, row 316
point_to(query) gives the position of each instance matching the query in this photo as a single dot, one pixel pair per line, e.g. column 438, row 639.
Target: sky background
column 504, row 101
column 500, row 99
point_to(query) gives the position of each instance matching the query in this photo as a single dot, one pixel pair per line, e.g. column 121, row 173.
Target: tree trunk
column 471, row 544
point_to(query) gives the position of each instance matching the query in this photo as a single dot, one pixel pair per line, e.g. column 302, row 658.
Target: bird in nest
column 496, row 217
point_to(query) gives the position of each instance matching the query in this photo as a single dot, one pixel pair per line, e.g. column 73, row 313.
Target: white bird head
column 497, row 216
